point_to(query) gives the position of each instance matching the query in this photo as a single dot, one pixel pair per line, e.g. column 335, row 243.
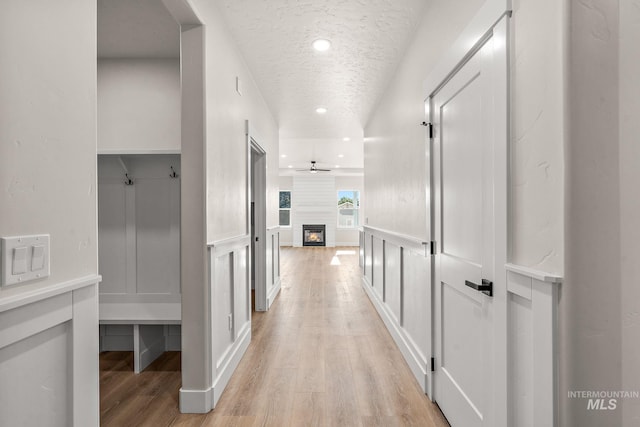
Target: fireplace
column 313, row 235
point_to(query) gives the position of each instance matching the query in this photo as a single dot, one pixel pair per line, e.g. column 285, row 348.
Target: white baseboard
column 275, row 289
column 195, row 401
column 418, row 367
column 239, row 348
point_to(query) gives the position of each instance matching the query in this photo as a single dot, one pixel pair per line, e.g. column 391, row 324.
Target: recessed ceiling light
column 290, row 166
column 346, row 138
column 321, row 45
column 283, row 155
column 337, row 166
column 321, row 110
column 341, row 155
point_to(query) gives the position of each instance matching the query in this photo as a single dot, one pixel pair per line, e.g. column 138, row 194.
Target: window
column 348, row 209
column 285, row 208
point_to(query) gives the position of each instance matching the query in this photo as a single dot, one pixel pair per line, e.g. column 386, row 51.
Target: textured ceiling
column 136, row 29
column 368, row 40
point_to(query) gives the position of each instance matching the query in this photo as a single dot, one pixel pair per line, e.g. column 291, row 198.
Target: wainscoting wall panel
column 393, row 280
column 48, row 356
column 361, row 251
column 378, row 267
column 416, row 302
column 397, row 276
column 397, row 279
column 273, row 264
column 532, row 321
column 231, row 308
column 367, row 248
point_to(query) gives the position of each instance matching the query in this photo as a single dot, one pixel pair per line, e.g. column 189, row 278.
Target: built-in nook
column 139, row 254
column 139, row 179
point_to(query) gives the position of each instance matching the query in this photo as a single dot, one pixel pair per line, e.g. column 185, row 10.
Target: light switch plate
column 35, row 244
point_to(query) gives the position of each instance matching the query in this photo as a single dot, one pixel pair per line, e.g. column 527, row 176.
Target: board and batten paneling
column 314, row 201
column 139, row 238
column 397, row 279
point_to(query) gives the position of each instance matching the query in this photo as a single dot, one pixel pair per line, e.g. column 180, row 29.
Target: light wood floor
column 320, row 357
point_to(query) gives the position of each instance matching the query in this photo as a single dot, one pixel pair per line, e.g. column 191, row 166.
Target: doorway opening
column 139, row 179
column 257, row 221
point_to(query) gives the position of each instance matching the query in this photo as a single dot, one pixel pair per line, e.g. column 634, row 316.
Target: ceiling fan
column 313, row 168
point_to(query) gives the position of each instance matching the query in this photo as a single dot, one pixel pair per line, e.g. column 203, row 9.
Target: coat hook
column 173, row 173
column 128, row 181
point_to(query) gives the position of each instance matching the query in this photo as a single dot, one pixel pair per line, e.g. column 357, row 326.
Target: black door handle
column 486, row 287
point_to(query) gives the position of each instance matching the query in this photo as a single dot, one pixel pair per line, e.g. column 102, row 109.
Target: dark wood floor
column 320, row 357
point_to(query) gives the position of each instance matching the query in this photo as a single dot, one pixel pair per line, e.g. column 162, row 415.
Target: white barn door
column 467, row 124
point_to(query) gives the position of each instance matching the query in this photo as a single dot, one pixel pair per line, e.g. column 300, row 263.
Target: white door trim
column 490, row 22
column 467, row 43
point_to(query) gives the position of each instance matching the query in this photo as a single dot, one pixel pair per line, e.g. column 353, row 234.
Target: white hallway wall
column 601, row 300
column 225, row 203
column 48, row 182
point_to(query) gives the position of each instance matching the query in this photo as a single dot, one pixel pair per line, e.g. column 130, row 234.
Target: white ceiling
column 368, row 40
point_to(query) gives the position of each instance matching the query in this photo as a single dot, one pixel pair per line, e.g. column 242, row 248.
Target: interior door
column 258, row 224
column 464, row 126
